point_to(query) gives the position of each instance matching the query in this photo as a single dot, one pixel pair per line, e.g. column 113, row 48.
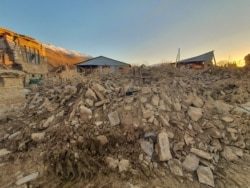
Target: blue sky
column 135, row 31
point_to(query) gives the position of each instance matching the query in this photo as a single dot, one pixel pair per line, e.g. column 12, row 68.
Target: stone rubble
column 188, row 124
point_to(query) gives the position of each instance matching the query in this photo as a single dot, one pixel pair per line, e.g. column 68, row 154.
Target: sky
column 135, row 31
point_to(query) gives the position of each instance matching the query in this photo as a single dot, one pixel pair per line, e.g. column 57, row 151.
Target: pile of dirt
column 179, row 128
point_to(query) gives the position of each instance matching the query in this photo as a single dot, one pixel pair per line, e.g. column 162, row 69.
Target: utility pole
column 178, row 56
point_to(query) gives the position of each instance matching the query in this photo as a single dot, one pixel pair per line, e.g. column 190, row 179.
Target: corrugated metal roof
column 201, row 58
column 102, row 61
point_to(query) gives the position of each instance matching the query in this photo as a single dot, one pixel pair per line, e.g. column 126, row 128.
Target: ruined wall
column 24, row 53
column 11, row 92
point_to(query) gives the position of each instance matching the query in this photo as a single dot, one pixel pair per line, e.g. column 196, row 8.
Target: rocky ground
column 177, row 128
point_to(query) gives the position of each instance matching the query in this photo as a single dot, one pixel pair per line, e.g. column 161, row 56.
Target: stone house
column 22, row 53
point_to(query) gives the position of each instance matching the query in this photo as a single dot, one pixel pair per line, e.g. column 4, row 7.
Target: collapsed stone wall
column 185, row 122
column 11, row 92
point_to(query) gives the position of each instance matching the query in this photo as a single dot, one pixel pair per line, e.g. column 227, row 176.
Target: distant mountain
column 57, row 56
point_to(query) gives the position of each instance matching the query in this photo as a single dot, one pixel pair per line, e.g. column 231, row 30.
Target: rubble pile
column 186, row 122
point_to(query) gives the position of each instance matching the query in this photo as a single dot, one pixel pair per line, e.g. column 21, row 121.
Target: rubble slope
column 179, row 128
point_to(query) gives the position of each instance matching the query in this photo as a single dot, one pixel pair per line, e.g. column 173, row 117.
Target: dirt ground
column 105, row 131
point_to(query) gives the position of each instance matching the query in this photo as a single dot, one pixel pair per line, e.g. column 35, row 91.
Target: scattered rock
column 194, row 113
column 114, row 118
column 163, row 147
column 175, row 167
column 191, row 162
column 123, row 165
column 37, row 136
column 205, row 175
column 27, row 178
column 147, row 147
column 201, row 153
column 227, row 119
column 112, row 163
column 4, row 152
column 103, row 139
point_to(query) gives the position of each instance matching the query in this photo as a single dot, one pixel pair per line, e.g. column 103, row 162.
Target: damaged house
column 198, row 62
column 22, row 53
column 102, row 65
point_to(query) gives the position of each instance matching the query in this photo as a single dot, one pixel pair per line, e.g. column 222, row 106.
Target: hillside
column 57, row 56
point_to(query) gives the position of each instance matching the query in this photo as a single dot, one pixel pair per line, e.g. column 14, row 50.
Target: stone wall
column 11, row 91
column 24, row 53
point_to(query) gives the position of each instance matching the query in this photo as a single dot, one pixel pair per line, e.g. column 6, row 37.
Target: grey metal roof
column 201, row 58
column 102, row 61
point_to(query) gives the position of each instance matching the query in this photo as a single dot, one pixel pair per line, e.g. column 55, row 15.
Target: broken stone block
column 143, row 99
column 98, row 87
column 201, row 153
column 214, row 132
column 145, row 90
column 205, row 175
column 162, row 105
column 163, row 147
column 100, row 103
column 103, row 139
column 189, row 140
column 114, row 118
column 177, row 106
column 231, row 153
column 147, row 147
column 164, row 121
column 112, row 163
column 48, row 122
column 4, row 152
column 123, row 165
column 91, row 94
column 175, row 167
column 37, row 136
column 197, row 101
column 191, row 162
column 85, row 113
column 147, row 114
column 99, row 95
column 227, row 119
column 27, row 178
column 155, row 100
column 89, row 102
column 14, row 135
column 194, row 113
